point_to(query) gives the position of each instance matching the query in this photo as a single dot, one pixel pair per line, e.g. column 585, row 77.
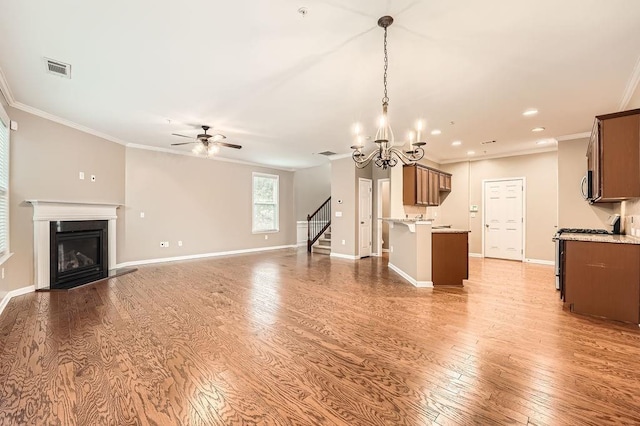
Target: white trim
column 201, row 256
column 214, row 157
column 5, row 117
column 524, row 211
column 574, row 136
column 379, row 214
column 5, row 89
column 65, row 122
column 15, row 293
column 419, row 284
column 476, row 255
column 385, row 250
column 344, row 256
column 360, row 180
column 540, row 262
column 5, row 257
column 254, row 175
column 552, row 148
column 631, row 87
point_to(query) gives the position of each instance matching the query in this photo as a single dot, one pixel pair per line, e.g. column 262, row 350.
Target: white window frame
column 253, row 203
column 4, row 117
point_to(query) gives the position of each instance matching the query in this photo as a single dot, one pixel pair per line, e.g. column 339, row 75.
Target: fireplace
column 46, row 213
column 79, row 252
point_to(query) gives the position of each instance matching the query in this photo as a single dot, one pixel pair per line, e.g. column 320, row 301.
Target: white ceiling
column 286, row 86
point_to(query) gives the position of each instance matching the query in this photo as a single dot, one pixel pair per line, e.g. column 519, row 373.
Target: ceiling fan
column 207, row 143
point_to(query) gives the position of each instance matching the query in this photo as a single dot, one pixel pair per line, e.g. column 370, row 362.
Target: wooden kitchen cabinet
column 613, row 158
column 422, row 185
column 602, row 279
column 449, row 258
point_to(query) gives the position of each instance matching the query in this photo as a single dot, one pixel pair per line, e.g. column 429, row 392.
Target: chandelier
column 386, row 154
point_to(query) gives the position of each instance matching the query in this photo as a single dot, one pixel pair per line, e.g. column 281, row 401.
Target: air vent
column 58, row 68
column 327, row 153
column 488, row 142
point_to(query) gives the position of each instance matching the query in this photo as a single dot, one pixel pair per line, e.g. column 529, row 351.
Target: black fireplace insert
column 79, row 252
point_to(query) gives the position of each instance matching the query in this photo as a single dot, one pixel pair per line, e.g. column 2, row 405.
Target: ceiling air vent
column 327, row 153
column 58, row 68
column 488, row 142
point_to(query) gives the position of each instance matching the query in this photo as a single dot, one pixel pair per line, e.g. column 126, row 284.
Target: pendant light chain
column 385, row 100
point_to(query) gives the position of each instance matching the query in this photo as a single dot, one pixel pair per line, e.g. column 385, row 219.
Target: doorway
column 503, row 218
column 364, row 217
column 383, row 209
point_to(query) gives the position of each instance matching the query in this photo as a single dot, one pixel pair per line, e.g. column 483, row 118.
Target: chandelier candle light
column 386, row 155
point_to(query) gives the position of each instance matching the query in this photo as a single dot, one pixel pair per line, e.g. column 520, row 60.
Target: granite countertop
column 600, row 238
column 449, row 231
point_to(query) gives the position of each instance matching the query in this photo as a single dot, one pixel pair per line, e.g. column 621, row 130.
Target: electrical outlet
column 344, row 242
column 81, row 175
column 266, row 237
column 141, row 215
column 166, row 243
column 390, row 249
column 93, row 178
column 180, row 243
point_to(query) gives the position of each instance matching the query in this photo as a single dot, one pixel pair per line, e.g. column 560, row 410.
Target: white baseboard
column 475, row 255
column 419, row 284
column 14, row 293
column 344, row 256
column 201, row 256
column 540, row 262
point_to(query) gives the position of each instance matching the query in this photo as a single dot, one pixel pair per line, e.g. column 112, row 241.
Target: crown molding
column 631, row 87
column 214, row 158
column 574, row 136
column 5, row 89
column 65, row 122
column 504, row 155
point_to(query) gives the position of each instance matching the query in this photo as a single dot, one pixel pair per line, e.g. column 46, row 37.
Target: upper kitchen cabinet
column 613, row 158
column 422, row 185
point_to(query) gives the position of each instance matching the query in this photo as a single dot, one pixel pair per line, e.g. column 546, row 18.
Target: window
column 4, row 184
column 265, row 203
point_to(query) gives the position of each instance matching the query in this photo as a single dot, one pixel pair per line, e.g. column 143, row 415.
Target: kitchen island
column 428, row 256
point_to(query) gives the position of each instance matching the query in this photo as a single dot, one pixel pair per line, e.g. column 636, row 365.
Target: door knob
column 361, row 223
column 486, row 226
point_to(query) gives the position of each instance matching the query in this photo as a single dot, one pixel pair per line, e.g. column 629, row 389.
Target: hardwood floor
column 285, row 338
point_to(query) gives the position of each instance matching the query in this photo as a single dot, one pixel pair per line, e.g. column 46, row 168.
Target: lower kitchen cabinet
column 449, row 258
column 602, row 279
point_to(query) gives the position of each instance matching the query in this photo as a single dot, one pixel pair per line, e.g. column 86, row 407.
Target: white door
column 503, row 219
column 365, row 217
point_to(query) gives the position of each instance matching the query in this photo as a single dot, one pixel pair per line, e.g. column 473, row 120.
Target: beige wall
column 540, row 173
column 411, row 251
column 635, row 99
column 573, row 210
column 46, row 158
column 206, row 204
column 312, row 187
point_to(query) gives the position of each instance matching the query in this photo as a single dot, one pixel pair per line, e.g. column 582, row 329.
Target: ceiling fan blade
column 182, row 143
column 182, row 136
column 218, row 137
column 229, row 145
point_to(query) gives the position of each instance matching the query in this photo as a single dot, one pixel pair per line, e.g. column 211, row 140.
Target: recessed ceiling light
column 471, row 152
column 456, row 143
column 436, row 132
column 538, row 129
column 530, row 112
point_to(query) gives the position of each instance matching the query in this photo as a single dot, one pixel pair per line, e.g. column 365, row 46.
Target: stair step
column 324, row 242
column 327, row 235
column 321, row 249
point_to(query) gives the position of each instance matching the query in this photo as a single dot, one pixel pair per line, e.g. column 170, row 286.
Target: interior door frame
column 524, row 211
column 371, row 219
column 380, row 182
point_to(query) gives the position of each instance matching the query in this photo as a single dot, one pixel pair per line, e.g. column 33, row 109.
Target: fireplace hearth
column 79, row 252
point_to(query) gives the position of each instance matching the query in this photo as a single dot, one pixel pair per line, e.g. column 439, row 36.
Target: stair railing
column 318, row 222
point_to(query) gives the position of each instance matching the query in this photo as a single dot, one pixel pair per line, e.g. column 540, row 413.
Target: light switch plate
column 81, row 175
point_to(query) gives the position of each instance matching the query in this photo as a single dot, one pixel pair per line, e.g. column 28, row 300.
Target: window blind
column 4, row 185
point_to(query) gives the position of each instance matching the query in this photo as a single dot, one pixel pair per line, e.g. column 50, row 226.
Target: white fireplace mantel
column 51, row 211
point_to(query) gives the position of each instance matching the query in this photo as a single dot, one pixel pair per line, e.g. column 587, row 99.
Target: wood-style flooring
column 283, row 338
